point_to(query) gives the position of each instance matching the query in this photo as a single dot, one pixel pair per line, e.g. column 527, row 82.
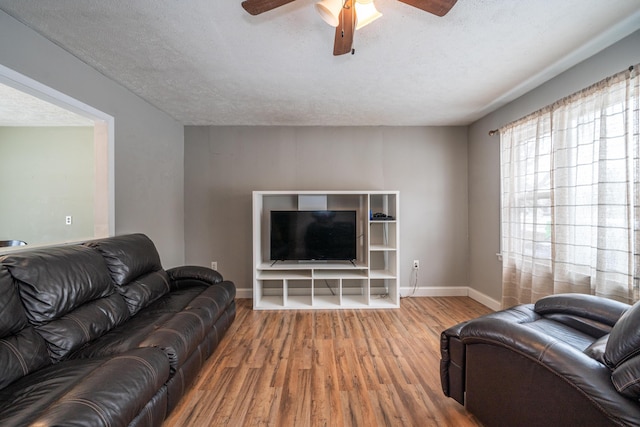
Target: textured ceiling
column 208, row 62
column 21, row 109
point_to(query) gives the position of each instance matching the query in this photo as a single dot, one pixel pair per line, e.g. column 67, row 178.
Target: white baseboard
column 244, row 293
column 483, row 299
column 455, row 291
column 435, row 291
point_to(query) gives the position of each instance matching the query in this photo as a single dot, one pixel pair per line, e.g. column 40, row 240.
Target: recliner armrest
column 452, row 363
column 590, row 307
column 452, row 350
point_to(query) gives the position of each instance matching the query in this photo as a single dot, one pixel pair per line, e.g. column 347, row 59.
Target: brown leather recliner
column 568, row 360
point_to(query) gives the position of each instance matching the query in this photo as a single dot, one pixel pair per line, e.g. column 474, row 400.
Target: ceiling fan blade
column 343, row 42
column 437, row 7
column 256, row 7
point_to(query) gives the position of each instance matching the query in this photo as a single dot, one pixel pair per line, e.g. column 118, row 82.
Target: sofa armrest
column 587, row 377
column 184, row 275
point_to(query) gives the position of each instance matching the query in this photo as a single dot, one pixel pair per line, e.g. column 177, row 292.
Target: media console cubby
column 370, row 281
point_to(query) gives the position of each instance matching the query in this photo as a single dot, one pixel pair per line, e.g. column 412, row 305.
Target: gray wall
column 223, row 165
column 46, row 173
column 484, row 156
column 219, row 167
column 149, row 145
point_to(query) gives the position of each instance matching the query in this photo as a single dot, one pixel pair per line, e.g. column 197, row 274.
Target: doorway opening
column 56, row 165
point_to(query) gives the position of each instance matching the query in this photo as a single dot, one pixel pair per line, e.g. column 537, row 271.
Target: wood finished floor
column 329, row 368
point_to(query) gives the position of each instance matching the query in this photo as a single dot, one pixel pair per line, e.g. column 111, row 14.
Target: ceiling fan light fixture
column 329, row 11
column 366, row 13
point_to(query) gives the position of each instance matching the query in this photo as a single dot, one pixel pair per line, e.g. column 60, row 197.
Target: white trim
column 244, row 293
column 483, row 299
column 453, row 291
column 37, row 89
column 435, row 291
column 25, row 84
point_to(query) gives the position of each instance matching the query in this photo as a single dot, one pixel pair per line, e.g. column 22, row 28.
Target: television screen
column 313, row 235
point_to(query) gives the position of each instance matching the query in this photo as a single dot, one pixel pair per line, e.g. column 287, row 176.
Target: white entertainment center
column 371, row 280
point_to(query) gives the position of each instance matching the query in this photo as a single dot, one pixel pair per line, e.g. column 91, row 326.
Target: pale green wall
column 46, row 173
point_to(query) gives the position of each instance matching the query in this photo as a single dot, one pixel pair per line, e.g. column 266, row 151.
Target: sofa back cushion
column 68, row 295
column 12, row 316
column 134, row 264
column 21, row 349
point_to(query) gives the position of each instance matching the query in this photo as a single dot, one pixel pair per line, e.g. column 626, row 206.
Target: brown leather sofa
column 99, row 334
column 568, row 360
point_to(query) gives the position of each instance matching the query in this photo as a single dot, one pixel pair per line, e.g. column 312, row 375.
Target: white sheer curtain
column 571, row 196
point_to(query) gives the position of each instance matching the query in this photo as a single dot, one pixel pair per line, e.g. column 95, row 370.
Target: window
column 571, row 185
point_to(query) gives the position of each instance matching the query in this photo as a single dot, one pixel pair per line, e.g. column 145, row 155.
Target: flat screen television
column 321, row 235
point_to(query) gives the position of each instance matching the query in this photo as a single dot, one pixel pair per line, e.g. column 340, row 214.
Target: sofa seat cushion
column 173, row 302
column 93, row 392
column 176, row 323
column 562, row 332
column 215, row 298
column 597, row 348
column 125, row 338
column 131, row 334
column 181, row 334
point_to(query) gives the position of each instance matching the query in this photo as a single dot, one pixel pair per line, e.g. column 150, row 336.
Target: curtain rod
column 495, row 131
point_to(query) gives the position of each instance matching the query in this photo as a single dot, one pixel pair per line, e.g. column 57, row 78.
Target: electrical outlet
column 68, row 219
column 214, row 265
column 416, row 264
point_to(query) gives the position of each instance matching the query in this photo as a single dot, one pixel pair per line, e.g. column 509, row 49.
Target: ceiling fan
column 342, row 14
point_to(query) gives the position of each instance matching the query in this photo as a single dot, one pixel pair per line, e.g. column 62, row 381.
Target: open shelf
column 372, row 281
column 284, row 274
